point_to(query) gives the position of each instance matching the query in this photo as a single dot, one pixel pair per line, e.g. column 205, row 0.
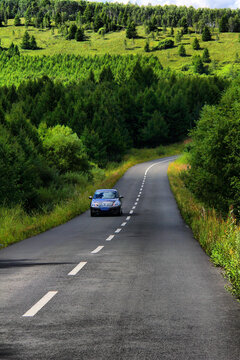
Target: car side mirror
column 121, row 197
column 90, row 197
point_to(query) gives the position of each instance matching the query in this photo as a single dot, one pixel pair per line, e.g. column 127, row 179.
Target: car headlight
column 116, row 203
column 95, row 204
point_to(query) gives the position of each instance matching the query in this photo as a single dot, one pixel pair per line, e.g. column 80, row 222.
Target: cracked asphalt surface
column 149, row 293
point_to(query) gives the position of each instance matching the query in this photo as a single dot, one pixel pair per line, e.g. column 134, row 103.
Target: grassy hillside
column 223, row 48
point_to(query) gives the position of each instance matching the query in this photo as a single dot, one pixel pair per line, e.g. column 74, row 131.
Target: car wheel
column 92, row 213
column 119, row 212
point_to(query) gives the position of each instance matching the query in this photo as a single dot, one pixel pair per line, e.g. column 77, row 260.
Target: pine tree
column 206, row 34
column 195, row 44
column 72, row 32
column 181, row 50
column 206, row 56
column 198, row 65
column 17, row 20
column 223, row 24
column 131, row 32
column 146, row 46
column 25, row 41
column 27, row 17
column 79, row 36
column 184, row 25
column 178, row 37
column 33, row 43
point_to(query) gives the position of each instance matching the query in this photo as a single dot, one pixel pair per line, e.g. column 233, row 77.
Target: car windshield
column 109, row 194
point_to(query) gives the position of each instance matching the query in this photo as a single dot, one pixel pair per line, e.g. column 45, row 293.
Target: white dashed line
column 139, row 196
column 110, row 238
column 137, row 199
column 97, row 249
column 118, row 230
column 134, row 207
column 131, row 212
column 123, row 224
column 135, row 203
column 40, row 304
column 77, row 268
column 140, row 193
column 128, row 218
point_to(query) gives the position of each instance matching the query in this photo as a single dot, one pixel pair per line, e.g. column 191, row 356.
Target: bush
column 165, row 44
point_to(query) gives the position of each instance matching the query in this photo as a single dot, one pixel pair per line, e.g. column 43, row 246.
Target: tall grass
column 219, row 237
column 16, row 224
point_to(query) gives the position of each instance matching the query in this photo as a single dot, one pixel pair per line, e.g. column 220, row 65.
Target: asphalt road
column 148, row 292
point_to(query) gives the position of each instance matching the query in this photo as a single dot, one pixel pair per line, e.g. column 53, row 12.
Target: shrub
column 165, row 44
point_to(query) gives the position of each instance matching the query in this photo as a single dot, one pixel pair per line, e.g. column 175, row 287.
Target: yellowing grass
column 219, row 238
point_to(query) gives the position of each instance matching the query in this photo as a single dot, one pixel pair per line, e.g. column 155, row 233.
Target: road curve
column 137, row 286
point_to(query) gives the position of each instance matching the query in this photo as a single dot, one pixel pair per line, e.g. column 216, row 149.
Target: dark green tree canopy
column 206, row 34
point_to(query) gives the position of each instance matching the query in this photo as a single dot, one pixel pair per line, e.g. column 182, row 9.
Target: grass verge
column 16, row 224
column 219, row 237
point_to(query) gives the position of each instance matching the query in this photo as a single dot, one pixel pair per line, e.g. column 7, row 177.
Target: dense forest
column 215, row 162
column 67, row 114
column 114, row 16
column 49, row 129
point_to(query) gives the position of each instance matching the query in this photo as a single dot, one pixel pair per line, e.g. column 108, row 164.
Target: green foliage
column 206, row 56
column 17, row 20
column 198, row 65
column 72, row 32
column 215, row 164
column 178, row 37
column 25, row 41
column 33, row 43
column 63, row 149
column 165, row 44
column 155, row 131
column 181, row 50
column 184, row 25
column 206, row 34
column 131, row 31
column 195, row 44
column 146, row 46
column 223, row 24
column 79, row 35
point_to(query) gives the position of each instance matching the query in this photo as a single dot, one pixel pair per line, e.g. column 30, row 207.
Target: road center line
column 123, row 224
column 137, row 199
column 40, row 304
column 97, row 249
column 128, row 218
column 135, row 203
column 118, row 230
column 77, row 268
column 134, row 207
column 131, row 212
column 110, row 238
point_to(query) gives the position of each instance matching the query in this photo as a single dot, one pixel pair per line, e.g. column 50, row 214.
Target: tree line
column 114, row 16
column 214, row 154
column 49, row 129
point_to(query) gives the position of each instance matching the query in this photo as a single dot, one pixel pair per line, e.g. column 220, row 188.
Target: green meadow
column 224, row 47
